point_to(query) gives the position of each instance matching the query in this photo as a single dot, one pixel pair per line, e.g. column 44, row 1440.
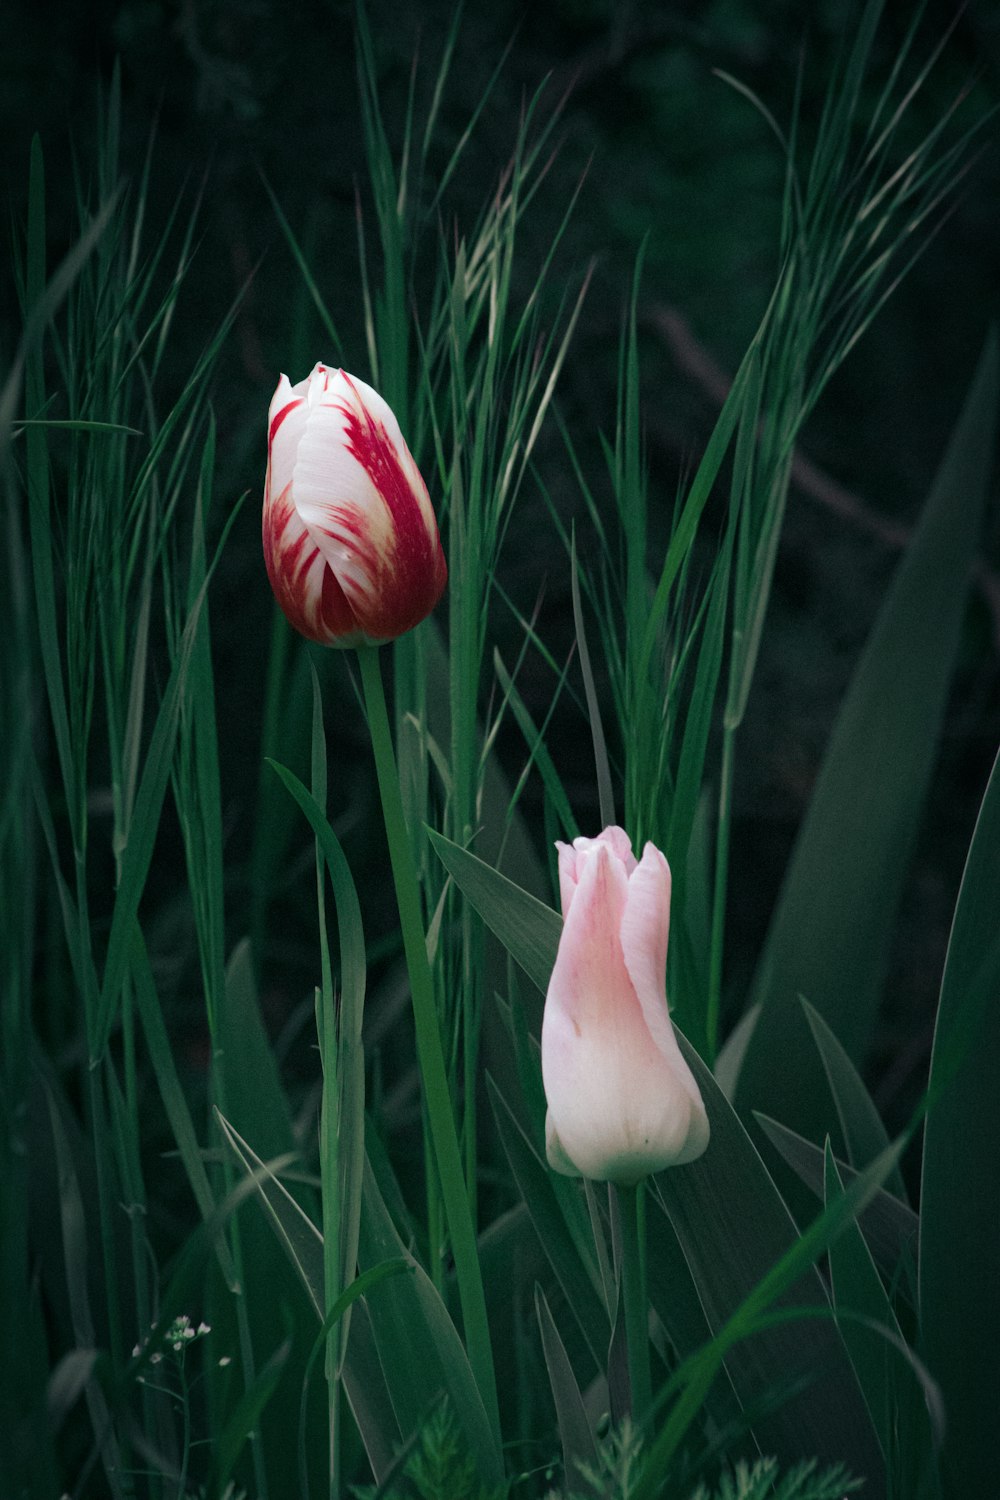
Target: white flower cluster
column 180, row 1333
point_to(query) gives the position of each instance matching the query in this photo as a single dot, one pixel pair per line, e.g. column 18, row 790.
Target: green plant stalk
column 247, row 1360
column 330, row 1174
column 429, row 1050
column 329, row 1133
column 634, row 1296
column 719, row 894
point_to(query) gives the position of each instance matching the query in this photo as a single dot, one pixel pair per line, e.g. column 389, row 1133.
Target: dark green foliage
column 761, row 1481
column 438, row 1467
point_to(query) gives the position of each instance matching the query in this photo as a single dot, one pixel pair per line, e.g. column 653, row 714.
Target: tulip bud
column 350, row 540
column 622, row 1100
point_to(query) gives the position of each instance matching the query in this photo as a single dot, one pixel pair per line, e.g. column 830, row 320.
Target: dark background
column 237, row 90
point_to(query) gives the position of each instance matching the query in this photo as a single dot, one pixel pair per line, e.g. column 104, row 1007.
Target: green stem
column 429, row 1050
column 633, row 1218
column 719, row 896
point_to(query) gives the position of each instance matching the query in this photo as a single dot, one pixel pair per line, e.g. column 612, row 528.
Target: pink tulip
column 350, row 540
column 622, row 1100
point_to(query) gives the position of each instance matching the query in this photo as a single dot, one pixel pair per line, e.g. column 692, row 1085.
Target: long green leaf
column 174, row 1102
column 419, row 1347
column 575, row 1432
column 829, row 939
column 889, row 1226
column 757, row 1314
column 899, row 1402
column 297, row 1234
column 528, row 929
column 535, row 1183
column 864, row 1134
column 959, row 1243
column 303, row 1244
column 142, row 834
column 242, row 1421
column 349, row 1115
column 733, row 1227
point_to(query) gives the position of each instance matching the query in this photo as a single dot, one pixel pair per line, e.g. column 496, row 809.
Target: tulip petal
column 644, row 933
column 554, row 1153
column 303, row 583
column 572, row 855
column 286, row 422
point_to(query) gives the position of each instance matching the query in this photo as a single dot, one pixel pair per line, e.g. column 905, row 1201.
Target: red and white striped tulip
column 622, row 1101
column 350, row 539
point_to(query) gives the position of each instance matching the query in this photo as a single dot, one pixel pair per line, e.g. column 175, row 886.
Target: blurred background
column 233, row 93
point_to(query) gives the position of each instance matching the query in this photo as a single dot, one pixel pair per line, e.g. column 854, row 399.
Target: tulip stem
column 430, row 1053
column 632, row 1201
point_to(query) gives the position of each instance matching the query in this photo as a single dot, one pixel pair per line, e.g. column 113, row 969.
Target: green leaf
column 602, row 769
column 254, row 1098
column 765, row 1309
column 575, row 1432
column 539, row 750
column 733, row 1228
column 142, row 834
column 888, row 1373
column 174, row 1102
column 296, row 1232
column 347, row 1118
column 303, row 1244
column 674, row 1298
column 563, row 1243
column 528, row 929
column 419, row 1347
column 889, row 1226
column 243, row 1420
column 959, row 1244
column 864, row 1134
column 829, row 939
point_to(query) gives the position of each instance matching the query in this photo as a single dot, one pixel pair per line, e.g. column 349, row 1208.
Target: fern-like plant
column 761, row 1481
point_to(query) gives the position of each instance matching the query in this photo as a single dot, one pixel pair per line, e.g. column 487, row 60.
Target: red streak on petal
column 278, row 418
column 338, row 616
column 313, row 601
column 407, row 581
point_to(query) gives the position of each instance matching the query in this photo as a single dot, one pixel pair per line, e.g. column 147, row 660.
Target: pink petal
column 644, row 933
column 567, row 875
column 571, row 857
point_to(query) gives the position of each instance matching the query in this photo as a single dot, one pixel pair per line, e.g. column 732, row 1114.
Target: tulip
column 622, row 1101
column 350, row 540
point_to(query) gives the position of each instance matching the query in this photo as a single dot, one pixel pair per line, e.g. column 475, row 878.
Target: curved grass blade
column 959, row 1247
column 574, row 1270
column 575, row 1432
column 756, row 1316
column 829, row 939
column 889, row 1226
column 864, row 1134
column 734, row 1229
column 899, row 1394
column 419, row 1346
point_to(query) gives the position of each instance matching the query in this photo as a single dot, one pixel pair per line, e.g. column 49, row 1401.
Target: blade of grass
column 959, row 1254
column 858, row 832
